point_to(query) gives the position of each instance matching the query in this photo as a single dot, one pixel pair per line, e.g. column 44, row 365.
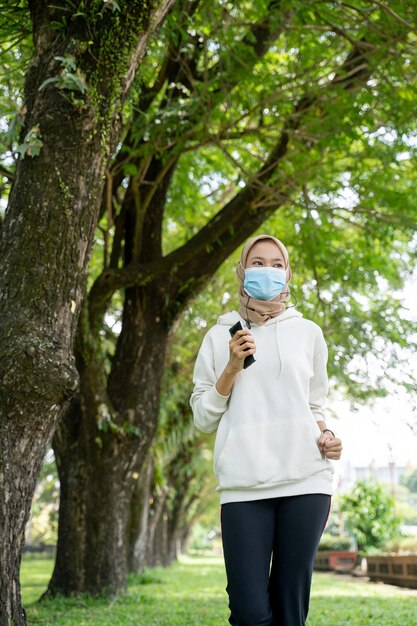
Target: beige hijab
column 260, row 311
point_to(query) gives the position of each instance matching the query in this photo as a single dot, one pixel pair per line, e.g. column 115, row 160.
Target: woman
column 272, row 449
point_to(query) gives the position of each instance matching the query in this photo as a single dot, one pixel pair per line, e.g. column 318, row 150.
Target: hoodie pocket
column 268, row 453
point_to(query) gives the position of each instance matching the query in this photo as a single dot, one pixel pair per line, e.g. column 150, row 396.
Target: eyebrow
column 261, row 258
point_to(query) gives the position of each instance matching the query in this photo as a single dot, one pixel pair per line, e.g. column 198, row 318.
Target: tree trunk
column 172, row 548
column 91, row 520
column 46, row 241
column 45, row 250
column 177, row 528
column 155, row 513
column 137, row 534
column 99, row 455
column 160, row 539
column 184, row 539
column 93, row 502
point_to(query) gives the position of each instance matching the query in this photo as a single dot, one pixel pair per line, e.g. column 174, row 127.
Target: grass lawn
column 192, row 593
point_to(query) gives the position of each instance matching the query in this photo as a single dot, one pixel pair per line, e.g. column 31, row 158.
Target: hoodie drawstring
column 281, row 363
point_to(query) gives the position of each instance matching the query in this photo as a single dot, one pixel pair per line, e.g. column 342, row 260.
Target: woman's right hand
column 241, row 345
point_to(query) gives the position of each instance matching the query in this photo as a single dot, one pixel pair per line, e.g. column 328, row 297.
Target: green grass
column 192, row 593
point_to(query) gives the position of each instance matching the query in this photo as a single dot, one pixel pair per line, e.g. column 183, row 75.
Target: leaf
column 68, row 62
column 130, row 169
column 77, row 80
column 111, row 4
column 48, row 81
column 32, row 143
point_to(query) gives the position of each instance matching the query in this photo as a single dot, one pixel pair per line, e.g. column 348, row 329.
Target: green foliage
column 402, row 545
column 70, row 77
column 15, row 127
column 32, row 143
column 16, row 48
column 409, row 480
column 43, row 523
column 112, row 4
column 332, row 542
column 350, row 219
column 192, row 593
column 370, row 514
column 177, row 435
column 105, row 424
column 406, row 503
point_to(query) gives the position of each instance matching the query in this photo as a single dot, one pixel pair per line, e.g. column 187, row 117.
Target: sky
column 368, row 433
column 376, row 435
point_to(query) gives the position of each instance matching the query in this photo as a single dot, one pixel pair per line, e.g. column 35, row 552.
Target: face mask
column 264, row 283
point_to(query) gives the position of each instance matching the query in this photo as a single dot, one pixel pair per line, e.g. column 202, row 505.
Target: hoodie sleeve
column 207, row 404
column 319, row 384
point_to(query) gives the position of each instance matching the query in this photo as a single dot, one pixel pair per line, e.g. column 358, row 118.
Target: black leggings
column 289, row 529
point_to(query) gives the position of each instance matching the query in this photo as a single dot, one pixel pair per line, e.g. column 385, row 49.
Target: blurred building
column 346, row 474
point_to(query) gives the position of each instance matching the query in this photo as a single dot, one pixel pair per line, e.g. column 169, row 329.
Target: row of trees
column 367, row 515
column 234, row 113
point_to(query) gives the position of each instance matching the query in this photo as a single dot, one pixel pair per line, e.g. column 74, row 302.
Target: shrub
column 400, row 544
column 335, row 542
column 370, row 514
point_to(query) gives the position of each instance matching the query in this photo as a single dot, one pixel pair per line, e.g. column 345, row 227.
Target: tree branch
column 178, row 69
column 393, row 14
column 194, row 262
column 203, row 253
column 170, row 65
column 6, row 173
column 156, row 18
column 188, row 268
column 258, row 40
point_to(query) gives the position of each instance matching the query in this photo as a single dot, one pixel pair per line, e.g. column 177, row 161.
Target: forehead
column 265, row 248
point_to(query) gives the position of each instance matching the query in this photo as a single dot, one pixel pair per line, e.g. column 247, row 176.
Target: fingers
column 241, row 342
column 241, row 345
column 241, row 336
column 333, row 456
column 330, row 446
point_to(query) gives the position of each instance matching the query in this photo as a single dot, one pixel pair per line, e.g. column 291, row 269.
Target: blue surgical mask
column 264, row 283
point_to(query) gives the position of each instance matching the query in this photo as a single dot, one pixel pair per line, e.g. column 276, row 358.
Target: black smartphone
column 233, row 330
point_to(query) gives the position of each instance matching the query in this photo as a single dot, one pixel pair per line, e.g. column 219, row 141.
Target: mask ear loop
column 295, row 298
column 248, row 324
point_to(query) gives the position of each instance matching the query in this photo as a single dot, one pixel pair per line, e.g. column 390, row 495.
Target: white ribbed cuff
column 214, row 400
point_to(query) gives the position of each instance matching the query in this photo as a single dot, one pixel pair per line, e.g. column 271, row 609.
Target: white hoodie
column 267, row 431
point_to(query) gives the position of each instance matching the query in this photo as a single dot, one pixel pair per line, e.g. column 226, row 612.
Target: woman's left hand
column 330, row 447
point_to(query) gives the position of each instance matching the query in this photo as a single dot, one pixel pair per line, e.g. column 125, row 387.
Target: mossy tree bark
column 46, row 240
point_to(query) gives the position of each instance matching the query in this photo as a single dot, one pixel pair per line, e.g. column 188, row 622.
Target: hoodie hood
column 233, row 316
